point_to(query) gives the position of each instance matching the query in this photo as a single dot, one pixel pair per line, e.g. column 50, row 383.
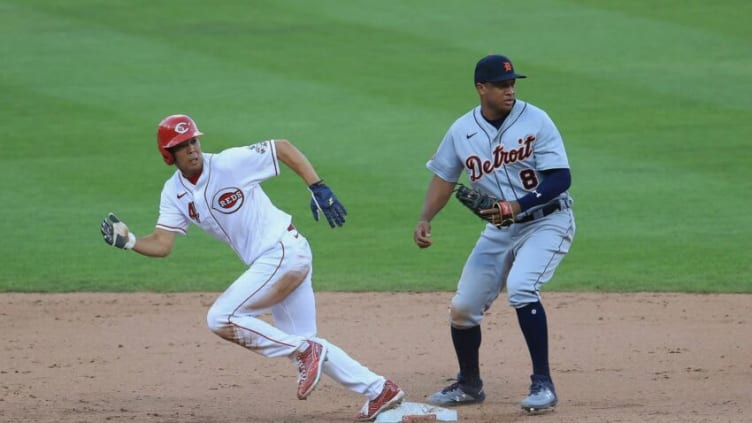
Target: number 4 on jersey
column 192, row 213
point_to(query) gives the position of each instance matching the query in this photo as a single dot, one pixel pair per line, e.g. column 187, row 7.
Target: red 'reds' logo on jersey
column 228, row 200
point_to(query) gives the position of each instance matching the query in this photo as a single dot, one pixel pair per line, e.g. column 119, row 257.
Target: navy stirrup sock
column 467, row 345
column 532, row 319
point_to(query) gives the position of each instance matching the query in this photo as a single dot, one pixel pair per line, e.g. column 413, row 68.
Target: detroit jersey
column 507, row 162
column 227, row 200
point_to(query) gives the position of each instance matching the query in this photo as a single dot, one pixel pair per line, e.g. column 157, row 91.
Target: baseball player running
column 510, row 150
column 221, row 194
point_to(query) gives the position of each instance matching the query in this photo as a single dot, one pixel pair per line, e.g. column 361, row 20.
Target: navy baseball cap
column 495, row 68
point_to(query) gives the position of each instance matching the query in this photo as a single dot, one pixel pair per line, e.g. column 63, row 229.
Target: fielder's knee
column 463, row 316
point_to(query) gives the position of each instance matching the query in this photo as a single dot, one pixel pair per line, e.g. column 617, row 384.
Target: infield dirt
column 150, row 358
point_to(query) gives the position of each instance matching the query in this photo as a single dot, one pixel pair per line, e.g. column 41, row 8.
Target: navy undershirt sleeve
column 556, row 181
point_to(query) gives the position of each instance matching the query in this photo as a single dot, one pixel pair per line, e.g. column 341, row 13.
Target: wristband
column 131, row 241
column 318, row 183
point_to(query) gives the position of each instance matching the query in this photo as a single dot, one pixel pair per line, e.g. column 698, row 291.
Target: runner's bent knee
column 218, row 320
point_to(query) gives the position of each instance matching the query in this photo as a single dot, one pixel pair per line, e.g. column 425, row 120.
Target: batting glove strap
column 323, row 200
column 131, row 241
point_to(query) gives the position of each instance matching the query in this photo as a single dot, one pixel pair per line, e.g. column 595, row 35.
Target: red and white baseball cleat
column 391, row 396
column 310, row 364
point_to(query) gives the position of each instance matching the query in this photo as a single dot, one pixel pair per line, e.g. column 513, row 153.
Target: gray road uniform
column 507, row 164
column 518, row 158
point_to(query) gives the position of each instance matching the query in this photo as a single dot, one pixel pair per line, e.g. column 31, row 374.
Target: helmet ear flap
column 167, row 155
column 174, row 130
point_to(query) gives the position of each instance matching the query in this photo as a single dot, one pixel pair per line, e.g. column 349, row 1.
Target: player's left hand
column 116, row 233
column 324, row 200
column 502, row 214
column 497, row 212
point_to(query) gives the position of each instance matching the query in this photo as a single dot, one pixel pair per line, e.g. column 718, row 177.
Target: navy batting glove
column 324, row 200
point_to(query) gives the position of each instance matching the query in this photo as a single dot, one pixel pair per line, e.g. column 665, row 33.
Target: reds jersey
column 505, row 163
column 227, row 200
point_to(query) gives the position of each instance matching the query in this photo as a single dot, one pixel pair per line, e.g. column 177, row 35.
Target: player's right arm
column 157, row 244
column 445, row 167
column 438, row 194
column 116, row 233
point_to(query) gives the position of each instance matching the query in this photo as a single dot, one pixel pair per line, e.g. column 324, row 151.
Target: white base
column 395, row 415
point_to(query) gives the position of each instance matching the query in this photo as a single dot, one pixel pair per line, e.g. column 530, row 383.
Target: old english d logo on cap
column 495, row 68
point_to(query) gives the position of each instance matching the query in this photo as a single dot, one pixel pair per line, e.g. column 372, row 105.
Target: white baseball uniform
column 228, row 202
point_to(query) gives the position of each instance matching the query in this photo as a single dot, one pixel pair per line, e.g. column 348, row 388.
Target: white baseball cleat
column 542, row 395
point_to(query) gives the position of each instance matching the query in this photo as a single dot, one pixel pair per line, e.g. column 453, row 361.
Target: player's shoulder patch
column 260, row 147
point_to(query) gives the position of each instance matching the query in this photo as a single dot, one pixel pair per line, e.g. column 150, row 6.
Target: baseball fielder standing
column 221, row 194
column 510, row 150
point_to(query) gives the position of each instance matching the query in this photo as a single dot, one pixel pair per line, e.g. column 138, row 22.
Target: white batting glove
column 116, row 233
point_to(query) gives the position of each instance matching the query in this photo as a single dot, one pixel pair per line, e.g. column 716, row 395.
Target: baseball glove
column 477, row 201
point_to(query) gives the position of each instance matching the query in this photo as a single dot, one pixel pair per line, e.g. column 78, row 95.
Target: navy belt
column 541, row 212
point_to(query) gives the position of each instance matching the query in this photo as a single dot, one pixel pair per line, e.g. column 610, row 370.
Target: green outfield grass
column 653, row 100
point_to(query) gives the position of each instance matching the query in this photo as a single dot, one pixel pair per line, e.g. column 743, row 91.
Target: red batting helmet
column 175, row 130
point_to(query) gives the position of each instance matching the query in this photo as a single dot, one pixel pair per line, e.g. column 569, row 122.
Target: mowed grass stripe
column 367, row 90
